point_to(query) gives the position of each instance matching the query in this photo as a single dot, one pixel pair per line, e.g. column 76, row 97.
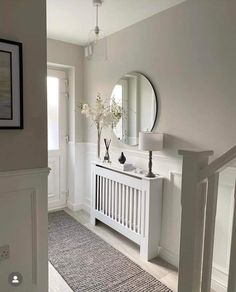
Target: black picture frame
column 11, row 85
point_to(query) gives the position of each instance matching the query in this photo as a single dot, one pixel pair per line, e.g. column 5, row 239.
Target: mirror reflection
column 135, row 94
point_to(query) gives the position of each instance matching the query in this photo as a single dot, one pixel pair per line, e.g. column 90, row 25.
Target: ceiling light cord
column 96, row 30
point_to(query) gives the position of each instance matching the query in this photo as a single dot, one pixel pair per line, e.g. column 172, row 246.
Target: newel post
column 193, row 197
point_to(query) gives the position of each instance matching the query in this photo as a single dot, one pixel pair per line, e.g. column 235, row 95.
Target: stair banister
column 218, row 164
column 198, row 220
column 209, row 232
column 192, row 220
column 232, row 266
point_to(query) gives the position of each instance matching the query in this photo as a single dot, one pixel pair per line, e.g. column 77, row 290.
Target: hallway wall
column 25, row 21
column 23, row 156
column 188, row 51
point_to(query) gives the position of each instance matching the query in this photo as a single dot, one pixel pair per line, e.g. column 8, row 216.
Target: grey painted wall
column 25, row 21
column 188, row 52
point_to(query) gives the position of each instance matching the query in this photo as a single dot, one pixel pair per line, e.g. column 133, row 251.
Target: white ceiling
column 71, row 20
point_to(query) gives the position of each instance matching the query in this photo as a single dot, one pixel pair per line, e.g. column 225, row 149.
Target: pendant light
column 96, row 48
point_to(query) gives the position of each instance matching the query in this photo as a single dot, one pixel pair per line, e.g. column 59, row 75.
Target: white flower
column 104, row 113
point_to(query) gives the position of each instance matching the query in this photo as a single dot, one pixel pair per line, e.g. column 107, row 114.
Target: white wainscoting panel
column 224, row 218
column 171, row 220
column 23, row 217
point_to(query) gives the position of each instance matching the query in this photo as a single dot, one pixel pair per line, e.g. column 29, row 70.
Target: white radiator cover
column 129, row 203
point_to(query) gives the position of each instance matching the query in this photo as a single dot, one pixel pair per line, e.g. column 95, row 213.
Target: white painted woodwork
column 218, row 164
column 199, row 220
column 223, row 229
column 170, row 169
column 232, row 266
column 144, row 228
column 211, row 207
column 192, row 221
column 57, row 158
column 24, row 194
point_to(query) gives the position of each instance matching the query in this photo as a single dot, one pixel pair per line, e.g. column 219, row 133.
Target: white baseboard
column 218, row 286
column 55, row 205
column 85, row 205
column 74, row 207
column 219, row 278
column 169, row 256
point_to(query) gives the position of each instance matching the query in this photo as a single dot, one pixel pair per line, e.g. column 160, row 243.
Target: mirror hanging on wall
column 136, row 95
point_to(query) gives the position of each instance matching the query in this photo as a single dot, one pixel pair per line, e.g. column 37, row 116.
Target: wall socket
column 4, row 252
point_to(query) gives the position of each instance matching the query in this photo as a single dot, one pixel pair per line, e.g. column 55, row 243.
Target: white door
column 57, row 100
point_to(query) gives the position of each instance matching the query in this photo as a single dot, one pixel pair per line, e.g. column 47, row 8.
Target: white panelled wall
column 23, row 198
column 170, row 167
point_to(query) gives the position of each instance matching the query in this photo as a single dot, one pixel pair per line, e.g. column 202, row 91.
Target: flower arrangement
column 104, row 113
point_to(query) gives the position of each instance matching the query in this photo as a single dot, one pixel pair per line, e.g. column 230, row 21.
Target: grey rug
column 88, row 263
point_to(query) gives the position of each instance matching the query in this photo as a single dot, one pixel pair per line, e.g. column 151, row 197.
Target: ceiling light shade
column 96, row 48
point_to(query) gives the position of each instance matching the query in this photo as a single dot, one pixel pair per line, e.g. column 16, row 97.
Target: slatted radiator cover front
column 130, row 204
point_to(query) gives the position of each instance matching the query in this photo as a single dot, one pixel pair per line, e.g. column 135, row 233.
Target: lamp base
column 150, row 174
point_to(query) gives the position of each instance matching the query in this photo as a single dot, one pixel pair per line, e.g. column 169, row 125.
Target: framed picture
column 11, row 85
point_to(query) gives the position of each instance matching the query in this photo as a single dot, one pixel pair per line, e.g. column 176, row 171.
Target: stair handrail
column 218, row 164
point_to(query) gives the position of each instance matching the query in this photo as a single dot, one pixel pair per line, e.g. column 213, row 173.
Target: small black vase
column 122, row 158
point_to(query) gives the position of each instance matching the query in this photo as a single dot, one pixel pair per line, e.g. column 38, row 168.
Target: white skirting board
column 169, row 256
column 55, row 205
column 85, row 205
column 23, row 209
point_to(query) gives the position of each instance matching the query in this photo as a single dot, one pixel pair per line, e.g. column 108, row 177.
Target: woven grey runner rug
column 87, row 263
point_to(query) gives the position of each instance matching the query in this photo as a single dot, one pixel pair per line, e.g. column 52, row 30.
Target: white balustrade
column 199, row 203
column 232, row 266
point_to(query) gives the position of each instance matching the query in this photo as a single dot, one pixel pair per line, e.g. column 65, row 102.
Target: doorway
column 57, row 102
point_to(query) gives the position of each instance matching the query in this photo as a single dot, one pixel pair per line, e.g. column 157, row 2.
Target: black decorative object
column 107, row 155
column 122, row 158
column 11, row 85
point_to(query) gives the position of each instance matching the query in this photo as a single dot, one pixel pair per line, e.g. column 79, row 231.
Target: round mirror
column 137, row 97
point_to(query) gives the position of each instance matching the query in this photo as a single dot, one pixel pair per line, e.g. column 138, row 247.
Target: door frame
column 58, row 159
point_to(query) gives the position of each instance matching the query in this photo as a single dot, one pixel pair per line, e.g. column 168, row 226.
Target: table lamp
column 150, row 141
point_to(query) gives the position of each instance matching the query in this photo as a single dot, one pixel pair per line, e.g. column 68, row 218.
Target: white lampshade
column 150, row 141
